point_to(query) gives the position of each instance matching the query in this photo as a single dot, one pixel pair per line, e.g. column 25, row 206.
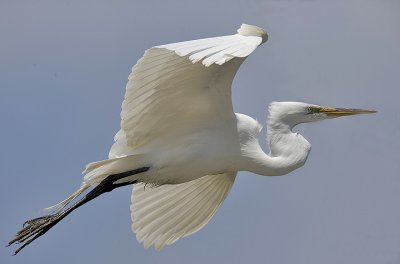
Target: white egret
column 180, row 137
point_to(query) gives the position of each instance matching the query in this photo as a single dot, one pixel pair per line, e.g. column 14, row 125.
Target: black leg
column 34, row 228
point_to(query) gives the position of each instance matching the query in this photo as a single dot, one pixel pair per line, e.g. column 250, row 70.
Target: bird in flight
column 181, row 144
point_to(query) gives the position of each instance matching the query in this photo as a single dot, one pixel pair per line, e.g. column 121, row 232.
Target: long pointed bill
column 337, row 112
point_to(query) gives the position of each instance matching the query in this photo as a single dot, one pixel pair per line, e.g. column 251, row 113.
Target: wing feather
column 170, row 86
column 163, row 214
column 175, row 83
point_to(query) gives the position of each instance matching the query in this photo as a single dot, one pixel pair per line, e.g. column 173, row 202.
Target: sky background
column 63, row 70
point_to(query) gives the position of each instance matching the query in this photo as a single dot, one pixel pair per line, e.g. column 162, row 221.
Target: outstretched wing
column 161, row 215
column 178, row 87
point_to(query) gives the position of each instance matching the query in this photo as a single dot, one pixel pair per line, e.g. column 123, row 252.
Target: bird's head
column 294, row 113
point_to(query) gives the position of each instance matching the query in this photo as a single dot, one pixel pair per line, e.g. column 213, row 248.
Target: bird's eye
column 313, row 110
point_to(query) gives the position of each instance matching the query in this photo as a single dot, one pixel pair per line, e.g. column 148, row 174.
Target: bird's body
column 224, row 147
column 179, row 135
column 177, row 159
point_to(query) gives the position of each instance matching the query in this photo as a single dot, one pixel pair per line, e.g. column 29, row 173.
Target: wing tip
column 250, row 30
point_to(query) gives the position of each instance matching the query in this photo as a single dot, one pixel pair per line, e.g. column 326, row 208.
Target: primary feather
column 161, row 215
column 178, row 87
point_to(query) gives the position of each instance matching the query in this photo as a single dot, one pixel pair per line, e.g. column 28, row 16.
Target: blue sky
column 64, row 66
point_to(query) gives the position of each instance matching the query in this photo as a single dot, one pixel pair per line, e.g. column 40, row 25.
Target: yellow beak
column 336, row 112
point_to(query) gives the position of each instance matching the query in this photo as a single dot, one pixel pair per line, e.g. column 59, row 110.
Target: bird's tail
column 34, row 228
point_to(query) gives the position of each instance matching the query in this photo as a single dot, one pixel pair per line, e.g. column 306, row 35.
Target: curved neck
column 288, row 150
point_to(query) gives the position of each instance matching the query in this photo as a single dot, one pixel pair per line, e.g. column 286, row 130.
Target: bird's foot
column 34, row 228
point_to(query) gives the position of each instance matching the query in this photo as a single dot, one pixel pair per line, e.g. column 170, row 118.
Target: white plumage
column 162, row 215
column 181, row 144
column 173, row 92
column 166, row 89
